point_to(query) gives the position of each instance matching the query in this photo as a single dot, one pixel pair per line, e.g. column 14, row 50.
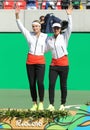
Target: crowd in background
column 44, row 4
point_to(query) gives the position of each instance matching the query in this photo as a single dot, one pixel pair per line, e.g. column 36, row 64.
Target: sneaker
column 34, row 107
column 62, row 108
column 40, row 107
column 51, row 108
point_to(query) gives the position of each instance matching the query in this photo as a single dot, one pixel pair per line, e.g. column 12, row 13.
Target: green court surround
column 13, row 55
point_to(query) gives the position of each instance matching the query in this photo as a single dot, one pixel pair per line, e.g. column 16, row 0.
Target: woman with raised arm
column 57, row 44
column 35, row 63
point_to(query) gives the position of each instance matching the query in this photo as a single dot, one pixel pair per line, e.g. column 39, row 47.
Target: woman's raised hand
column 17, row 11
column 69, row 10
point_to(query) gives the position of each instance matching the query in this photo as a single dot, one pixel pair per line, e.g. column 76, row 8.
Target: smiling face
column 36, row 26
column 56, row 30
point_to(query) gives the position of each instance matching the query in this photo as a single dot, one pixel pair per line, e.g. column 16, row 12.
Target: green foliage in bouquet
column 48, row 116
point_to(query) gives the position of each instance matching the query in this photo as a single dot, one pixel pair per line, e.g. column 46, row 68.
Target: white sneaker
column 34, row 107
column 62, row 108
column 51, row 108
column 40, row 106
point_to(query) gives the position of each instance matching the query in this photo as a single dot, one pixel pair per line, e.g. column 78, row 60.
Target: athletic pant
column 35, row 74
column 54, row 71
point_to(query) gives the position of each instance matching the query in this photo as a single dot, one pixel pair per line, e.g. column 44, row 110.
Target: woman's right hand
column 17, row 11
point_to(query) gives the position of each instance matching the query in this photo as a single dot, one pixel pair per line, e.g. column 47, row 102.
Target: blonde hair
column 36, row 21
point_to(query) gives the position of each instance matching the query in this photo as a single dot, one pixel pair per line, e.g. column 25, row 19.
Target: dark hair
column 50, row 6
column 42, row 16
column 64, row 24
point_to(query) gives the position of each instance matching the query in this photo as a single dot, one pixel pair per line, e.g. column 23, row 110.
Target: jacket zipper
column 35, row 46
column 56, row 50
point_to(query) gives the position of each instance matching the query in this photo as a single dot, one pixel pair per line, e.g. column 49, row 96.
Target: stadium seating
column 21, row 4
column 1, row 4
column 65, row 4
column 76, row 4
column 43, row 4
column 37, row 5
column 32, row 4
column 88, row 4
column 8, row 4
column 59, row 4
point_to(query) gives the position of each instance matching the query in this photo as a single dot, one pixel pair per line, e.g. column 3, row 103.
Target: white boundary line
column 75, row 106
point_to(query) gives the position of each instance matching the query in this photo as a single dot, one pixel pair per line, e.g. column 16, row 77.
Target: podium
column 66, row 120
